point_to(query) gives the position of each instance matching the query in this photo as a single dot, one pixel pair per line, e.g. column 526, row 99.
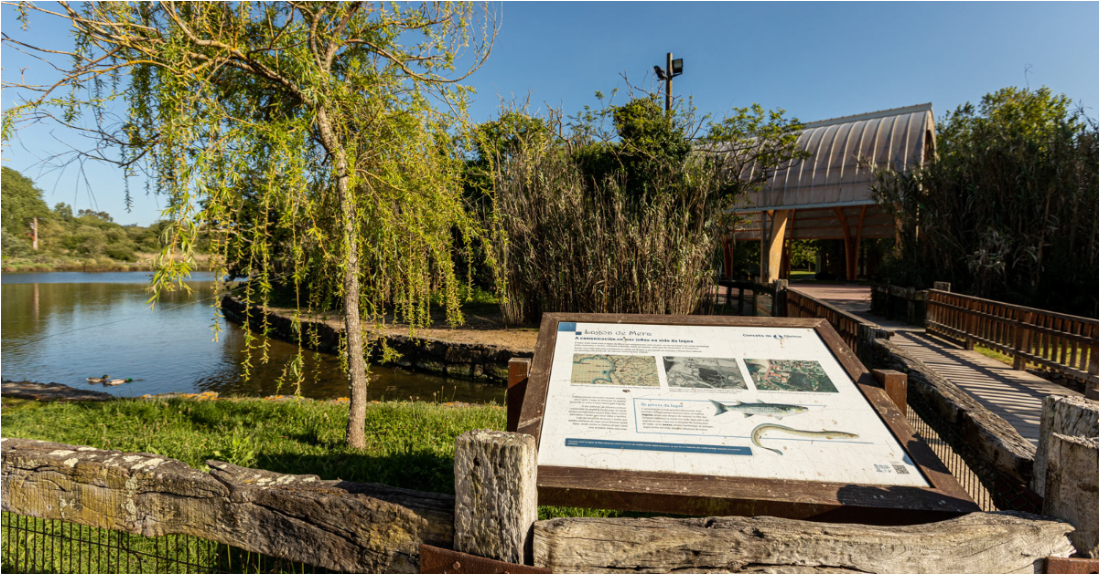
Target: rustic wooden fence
column 1064, row 344
column 750, row 298
column 359, row 527
column 857, row 332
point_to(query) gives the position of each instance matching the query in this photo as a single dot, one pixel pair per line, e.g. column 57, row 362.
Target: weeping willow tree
column 313, row 141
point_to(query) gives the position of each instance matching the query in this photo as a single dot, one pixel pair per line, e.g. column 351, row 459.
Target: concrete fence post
column 1071, row 488
column 496, row 501
column 1072, row 416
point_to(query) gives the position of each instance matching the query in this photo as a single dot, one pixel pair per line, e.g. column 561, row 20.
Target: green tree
column 618, row 209
column 1008, row 208
column 22, row 200
column 334, row 117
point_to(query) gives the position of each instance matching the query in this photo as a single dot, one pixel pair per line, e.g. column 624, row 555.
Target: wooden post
column 779, row 298
column 969, row 324
column 774, row 246
column 1023, row 341
column 518, row 370
column 496, row 501
column 1071, row 488
column 896, row 385
column 1073, row 416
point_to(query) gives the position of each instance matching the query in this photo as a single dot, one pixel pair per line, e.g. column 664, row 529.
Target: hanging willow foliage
column 314, row 142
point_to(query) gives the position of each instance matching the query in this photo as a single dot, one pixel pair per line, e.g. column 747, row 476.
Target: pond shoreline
column 437, row 356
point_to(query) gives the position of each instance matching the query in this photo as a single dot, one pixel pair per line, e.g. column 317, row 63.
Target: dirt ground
column 484, row 326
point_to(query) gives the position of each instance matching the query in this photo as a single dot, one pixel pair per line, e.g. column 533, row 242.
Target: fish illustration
column 759, row 430
column 778, row 410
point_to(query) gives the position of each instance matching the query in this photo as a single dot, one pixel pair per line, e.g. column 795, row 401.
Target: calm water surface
column 67, row 326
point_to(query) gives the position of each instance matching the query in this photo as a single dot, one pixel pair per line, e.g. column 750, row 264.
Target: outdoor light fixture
column 672, row 69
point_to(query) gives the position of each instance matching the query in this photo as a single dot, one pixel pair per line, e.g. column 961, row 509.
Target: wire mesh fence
column 32, row 545
column 992, row 489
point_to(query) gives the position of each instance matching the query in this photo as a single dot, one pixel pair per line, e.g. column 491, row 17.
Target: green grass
column 409, row 444
column 993, row 354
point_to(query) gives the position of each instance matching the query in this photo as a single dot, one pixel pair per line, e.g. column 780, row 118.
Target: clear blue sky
column 816, row 60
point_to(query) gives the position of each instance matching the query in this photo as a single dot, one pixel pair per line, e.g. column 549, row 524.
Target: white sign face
column 713, row 400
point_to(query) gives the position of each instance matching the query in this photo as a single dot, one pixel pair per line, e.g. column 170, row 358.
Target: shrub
column 1008, row 209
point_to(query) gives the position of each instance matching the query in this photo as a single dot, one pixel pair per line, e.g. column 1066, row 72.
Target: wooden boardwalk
column 1016, row 396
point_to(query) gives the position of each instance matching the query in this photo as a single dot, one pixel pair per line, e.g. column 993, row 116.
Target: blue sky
column 816, row 60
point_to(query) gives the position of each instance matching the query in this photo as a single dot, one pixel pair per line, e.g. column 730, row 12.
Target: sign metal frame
column 690, row 494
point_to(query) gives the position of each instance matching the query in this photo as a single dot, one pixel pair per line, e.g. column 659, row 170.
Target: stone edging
column 439, row 357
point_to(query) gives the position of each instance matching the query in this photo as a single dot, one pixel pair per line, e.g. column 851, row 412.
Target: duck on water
column 108, row 380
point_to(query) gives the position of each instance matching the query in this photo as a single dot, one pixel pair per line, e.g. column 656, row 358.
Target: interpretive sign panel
column 742, row 402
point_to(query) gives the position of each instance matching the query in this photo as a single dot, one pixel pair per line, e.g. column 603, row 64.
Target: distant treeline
column 67, row 240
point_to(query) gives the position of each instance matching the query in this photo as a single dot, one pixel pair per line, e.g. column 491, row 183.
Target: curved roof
column 837, row 173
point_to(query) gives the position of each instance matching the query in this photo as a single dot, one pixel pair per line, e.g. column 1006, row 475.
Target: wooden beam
column 849, row 260
column 776, row 237
column 859, row 239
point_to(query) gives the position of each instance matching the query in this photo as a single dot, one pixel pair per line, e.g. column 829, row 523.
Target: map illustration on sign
column 703, row 373
column 789, row 375
column 624, row 370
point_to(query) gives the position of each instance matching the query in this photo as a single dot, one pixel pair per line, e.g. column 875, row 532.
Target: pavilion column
column 773, row 246
column 851, row 248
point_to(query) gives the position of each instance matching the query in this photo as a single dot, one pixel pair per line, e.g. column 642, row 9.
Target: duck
column 103, row 379
column 117, row 381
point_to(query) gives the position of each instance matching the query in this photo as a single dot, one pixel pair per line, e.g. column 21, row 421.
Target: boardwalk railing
column 1065, row 344
column 760, row 300
column 857, row 332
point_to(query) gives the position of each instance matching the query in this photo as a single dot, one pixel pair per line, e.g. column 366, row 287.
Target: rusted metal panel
column 439, row 560
column 1072, row 565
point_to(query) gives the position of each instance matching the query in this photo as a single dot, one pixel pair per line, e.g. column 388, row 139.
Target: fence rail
column 1065, row 344
column 857, row 332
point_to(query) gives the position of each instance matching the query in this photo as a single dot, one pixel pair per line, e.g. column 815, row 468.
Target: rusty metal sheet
column 1072, row 565
column 439, row 560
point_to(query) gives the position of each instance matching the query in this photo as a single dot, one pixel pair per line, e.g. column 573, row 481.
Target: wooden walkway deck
column 1016, row 396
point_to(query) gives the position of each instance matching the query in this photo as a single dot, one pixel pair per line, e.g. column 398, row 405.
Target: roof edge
column 927, row 107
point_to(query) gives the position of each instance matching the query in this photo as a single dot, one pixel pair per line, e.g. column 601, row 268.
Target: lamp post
column 672, row 69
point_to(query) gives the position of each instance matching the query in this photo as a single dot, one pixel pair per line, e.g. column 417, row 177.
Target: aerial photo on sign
column 789, row 375
column 698, row 399
column 703, row 372
column 625, row 370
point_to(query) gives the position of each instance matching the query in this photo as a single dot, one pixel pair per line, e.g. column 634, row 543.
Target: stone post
column 496, row 501
column 942, row 286
column 1072, row 488
column 1072, row 416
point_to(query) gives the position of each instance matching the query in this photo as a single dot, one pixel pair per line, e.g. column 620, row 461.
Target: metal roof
column 837, row 173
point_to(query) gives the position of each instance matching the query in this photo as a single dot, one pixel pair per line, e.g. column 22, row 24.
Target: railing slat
column 1066, row 344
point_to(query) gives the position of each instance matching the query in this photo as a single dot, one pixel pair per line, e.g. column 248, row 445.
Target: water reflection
column 67, row 326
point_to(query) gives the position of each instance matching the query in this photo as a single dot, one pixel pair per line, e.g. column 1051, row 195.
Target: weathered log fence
column 1064, row 344
column 492, row 519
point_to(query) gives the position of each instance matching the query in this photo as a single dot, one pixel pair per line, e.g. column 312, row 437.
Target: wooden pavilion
column 828, row 195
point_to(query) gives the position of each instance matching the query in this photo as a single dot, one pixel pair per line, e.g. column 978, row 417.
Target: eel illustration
column 759, row 430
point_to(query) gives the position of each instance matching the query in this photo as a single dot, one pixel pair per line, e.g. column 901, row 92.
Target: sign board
column 722, row 415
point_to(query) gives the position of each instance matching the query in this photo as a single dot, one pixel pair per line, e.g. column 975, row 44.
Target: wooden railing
column 1065, row 344
column 760, row 300
column 854, row 330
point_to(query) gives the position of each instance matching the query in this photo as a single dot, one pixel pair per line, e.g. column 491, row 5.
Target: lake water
column 64, row 327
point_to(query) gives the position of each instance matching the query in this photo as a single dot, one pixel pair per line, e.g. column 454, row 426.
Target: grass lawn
column 409, row 444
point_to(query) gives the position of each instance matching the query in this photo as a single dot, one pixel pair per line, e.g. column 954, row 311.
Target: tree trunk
column 357, row 367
